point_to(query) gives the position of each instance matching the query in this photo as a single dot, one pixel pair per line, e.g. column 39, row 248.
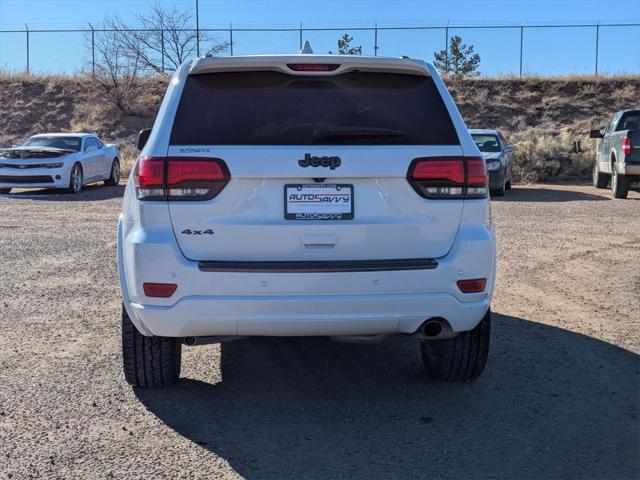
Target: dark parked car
column 497, row 153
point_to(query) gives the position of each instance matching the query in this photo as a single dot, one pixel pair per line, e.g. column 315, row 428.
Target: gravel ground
column 559, row 398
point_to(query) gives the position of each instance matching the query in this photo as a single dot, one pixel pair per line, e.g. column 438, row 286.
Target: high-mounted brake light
column 626, row 146
column 475, row 285
column 179, row 178
column 313, row 67
column 449, row 177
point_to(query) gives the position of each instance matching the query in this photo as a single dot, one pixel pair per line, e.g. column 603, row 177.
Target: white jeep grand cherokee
column 304, row 195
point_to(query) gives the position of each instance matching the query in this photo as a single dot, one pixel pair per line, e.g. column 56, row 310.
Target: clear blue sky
column 546, row 51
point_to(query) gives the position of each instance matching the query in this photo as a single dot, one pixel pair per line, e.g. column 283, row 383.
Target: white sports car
column 59, row 160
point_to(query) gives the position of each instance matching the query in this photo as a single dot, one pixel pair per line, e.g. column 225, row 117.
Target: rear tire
column 600, row 180
column 461, row 358
column 5, row 191
column 114, row 176
column 619, row 183
column 499, row 192
column 149, row 361
column 508, row 185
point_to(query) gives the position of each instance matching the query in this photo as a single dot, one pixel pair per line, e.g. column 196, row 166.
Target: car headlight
column 493, row 166
column 55, row 165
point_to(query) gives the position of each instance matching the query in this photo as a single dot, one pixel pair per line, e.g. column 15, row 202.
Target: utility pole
column 197, row 29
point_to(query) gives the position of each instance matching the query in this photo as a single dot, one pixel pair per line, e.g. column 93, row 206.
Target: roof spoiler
column 283, row 63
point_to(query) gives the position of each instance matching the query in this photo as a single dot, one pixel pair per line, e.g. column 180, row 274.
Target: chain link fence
column 374, row 35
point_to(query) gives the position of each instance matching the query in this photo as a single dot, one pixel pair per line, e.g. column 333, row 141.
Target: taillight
column 179, row 178
column 626, row 146
column 449, row 177
column 148, row 176
column 475, row 285
column 161, row 290
column 313, row 67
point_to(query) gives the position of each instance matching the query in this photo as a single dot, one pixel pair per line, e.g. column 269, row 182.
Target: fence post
column 27, row 31
column 231, row 38
column 446, row 46
column 300, row 36
column 597, row 43
column 162, row 48
column 197, row 29
column 93, row 51
column 375, row 40
column 521, row 45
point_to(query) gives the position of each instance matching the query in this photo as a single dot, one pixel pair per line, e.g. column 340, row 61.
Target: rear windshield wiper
column 354, row 133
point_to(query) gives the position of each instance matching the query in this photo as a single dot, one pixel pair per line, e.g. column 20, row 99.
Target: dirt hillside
column 543, row 118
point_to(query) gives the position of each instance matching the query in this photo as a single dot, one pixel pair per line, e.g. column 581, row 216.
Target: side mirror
column 143, row 136
column 596, row 134
column 508, row 150
column 91, row 148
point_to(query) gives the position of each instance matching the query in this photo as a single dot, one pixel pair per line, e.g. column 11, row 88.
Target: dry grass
column 36, row 104
column 543, row 117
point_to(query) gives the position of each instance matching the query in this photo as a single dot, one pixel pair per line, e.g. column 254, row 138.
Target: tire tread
column 149, row 361
column 461, row 358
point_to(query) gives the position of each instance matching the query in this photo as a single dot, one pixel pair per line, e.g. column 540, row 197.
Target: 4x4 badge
column 197, row 232
column 309, row 161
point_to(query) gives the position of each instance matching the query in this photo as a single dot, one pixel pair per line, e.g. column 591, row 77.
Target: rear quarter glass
column 273, row 108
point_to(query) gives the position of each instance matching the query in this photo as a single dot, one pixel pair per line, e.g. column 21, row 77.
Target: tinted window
column 272, row 108
column 486, row 143
column 68, row 143
column 629, row 121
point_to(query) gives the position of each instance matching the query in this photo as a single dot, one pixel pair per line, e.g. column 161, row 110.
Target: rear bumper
column 629, row 168
column 324, row 303
column 306, row 315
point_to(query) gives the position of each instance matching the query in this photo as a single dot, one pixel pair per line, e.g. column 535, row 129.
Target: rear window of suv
column 273, row 108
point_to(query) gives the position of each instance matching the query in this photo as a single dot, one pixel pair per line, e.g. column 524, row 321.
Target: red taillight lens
column 476, row 172
column 179, row 171
column 149, row 172
column 626, row 146
column 179, row 178
column 449, row 177
column 475, row 285
column 313, row 67
column 440, row 170
column 162, row 290
column 148, row 176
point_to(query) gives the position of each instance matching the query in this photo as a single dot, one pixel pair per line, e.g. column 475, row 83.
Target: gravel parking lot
column 559, row 399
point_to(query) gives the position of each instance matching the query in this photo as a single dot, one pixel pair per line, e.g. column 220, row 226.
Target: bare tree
column 116, row 70
column 165, row 38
